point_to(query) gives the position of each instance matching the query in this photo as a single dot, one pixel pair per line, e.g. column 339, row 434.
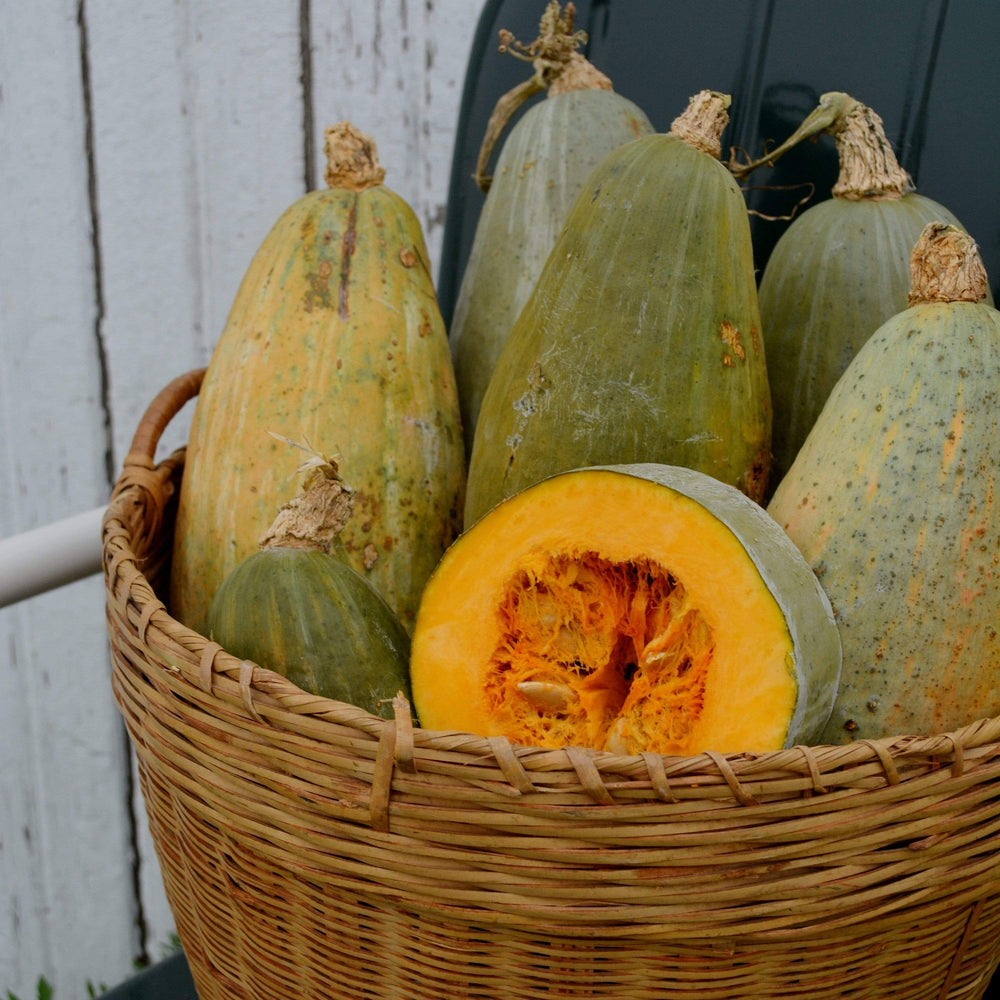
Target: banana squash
column 892, row 501
column 539, row 171
column 334, row 338
column 627, row 608
column 840, row 270
column 641, row 341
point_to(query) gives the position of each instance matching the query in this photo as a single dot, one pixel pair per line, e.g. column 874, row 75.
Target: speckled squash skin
column 642, row 339
column 334, row 340
column 892, row 500
column 839, row 271
column 775, row 658
column 541, row 167
column 309, row 616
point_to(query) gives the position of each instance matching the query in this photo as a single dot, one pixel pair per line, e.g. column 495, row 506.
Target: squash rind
column 839, row 271
column 334, row 339
column 891, row 500
column 312, row 618
column 542, row 165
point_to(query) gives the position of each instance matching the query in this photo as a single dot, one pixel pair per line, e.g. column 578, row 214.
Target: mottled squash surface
column 629, row 609
column 841, row 269
column 298, row 610
column 892, row 500
column 543, row 164
column 334, row 339
column 309, row 616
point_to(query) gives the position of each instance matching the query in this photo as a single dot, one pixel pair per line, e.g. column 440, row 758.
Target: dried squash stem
column 945, row 266
column 702, row 123
column 316, row 516
column 351, row 158
column 868, row 165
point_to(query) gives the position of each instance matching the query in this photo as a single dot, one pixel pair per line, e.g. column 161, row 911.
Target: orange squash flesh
column 608, row 609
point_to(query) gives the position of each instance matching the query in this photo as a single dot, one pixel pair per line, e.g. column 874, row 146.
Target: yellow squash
column 335, row 339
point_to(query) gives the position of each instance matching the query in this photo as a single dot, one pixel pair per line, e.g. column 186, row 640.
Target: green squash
column 839, row 271
column 540, row 169
column 296, row 608
column 641, row 341
column 892, row 501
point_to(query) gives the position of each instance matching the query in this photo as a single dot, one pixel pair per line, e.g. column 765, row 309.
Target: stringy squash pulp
column 612, row 608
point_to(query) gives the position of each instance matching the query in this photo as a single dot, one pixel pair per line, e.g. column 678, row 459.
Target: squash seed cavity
column 599, row 653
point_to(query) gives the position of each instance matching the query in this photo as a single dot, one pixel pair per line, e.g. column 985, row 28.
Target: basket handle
column 167, row 403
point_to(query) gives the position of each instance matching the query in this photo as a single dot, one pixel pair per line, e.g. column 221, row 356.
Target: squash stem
column 351, row 158
column 558, row 67
column 868, row 165
column 826, row 116
column 945, row 266
column 316, row 516
column 702, row 123
column 500, row 116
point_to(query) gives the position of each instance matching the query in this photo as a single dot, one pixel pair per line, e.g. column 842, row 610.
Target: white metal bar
column 50, row 556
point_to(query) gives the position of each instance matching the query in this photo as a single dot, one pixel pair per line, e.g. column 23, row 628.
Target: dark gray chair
column 928, row 67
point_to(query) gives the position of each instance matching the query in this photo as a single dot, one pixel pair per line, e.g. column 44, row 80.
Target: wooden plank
column 198, row 148
column 66, row 905
column 395, row 68
column 146, row 149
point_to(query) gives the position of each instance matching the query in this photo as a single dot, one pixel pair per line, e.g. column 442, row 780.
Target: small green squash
column 627, row 608
column 641, row 341
column 839, row 271
column 540, row 169
column 892, row 501
column 334, row 338
column 295, row 608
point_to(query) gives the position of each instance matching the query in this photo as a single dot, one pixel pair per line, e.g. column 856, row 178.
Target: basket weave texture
column 311, row 850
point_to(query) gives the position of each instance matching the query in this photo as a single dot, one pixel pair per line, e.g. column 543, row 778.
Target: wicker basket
column 310, row 850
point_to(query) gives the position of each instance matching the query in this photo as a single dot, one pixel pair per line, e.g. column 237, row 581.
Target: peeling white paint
column 145, row 151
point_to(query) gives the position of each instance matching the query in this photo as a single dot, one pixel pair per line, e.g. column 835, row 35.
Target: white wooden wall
column 146, row 147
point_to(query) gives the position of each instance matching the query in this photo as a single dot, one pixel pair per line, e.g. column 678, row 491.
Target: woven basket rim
column 270, row 698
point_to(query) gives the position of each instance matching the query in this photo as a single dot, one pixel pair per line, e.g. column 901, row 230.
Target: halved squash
column 627, row 608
